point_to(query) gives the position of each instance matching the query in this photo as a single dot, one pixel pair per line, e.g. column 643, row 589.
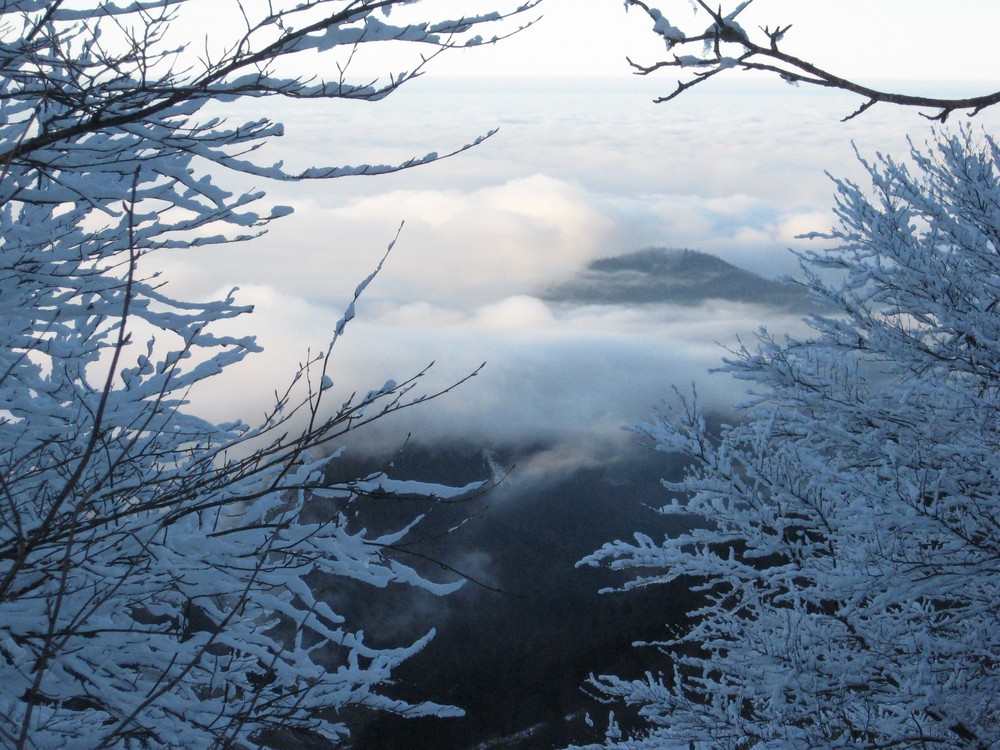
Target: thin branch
column 724, row 34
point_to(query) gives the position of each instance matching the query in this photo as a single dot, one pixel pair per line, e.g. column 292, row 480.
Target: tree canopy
column 847, row 545
column 156, row 570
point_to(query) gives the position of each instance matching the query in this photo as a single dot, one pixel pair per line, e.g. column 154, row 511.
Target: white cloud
column 498, row 240
column 520, row 311
column 790, row 228
column 552, row 373
column 571, row 176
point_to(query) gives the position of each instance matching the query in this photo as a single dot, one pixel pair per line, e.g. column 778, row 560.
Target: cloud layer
column 578, row 171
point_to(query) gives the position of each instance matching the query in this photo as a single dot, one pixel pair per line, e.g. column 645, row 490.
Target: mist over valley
column 515, row 645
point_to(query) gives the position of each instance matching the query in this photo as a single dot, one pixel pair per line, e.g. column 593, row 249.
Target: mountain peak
column 660, row 261
column 673, row 276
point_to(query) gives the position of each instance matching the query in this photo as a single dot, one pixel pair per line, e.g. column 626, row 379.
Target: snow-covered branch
column 156, row 570
column 847, row 546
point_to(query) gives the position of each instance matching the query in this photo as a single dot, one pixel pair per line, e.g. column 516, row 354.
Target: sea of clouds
column 579, row 169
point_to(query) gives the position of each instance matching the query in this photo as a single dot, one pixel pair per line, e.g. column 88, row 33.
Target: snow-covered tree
column 847, row 544
column 155, row 572
column 717, row 41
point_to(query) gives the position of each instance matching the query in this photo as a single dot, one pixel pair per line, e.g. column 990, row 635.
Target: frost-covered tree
column 847, row 544
column 717, row 41
column 155, row 572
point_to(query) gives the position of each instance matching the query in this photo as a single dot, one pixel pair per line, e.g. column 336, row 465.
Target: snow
column 844, row 540
column 155, row 568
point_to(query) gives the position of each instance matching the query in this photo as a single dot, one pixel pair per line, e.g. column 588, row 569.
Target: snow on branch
column 845, row 547
column 157, row 571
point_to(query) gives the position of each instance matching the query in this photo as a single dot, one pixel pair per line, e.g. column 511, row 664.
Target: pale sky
column 876, row 39
column 893, row 39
